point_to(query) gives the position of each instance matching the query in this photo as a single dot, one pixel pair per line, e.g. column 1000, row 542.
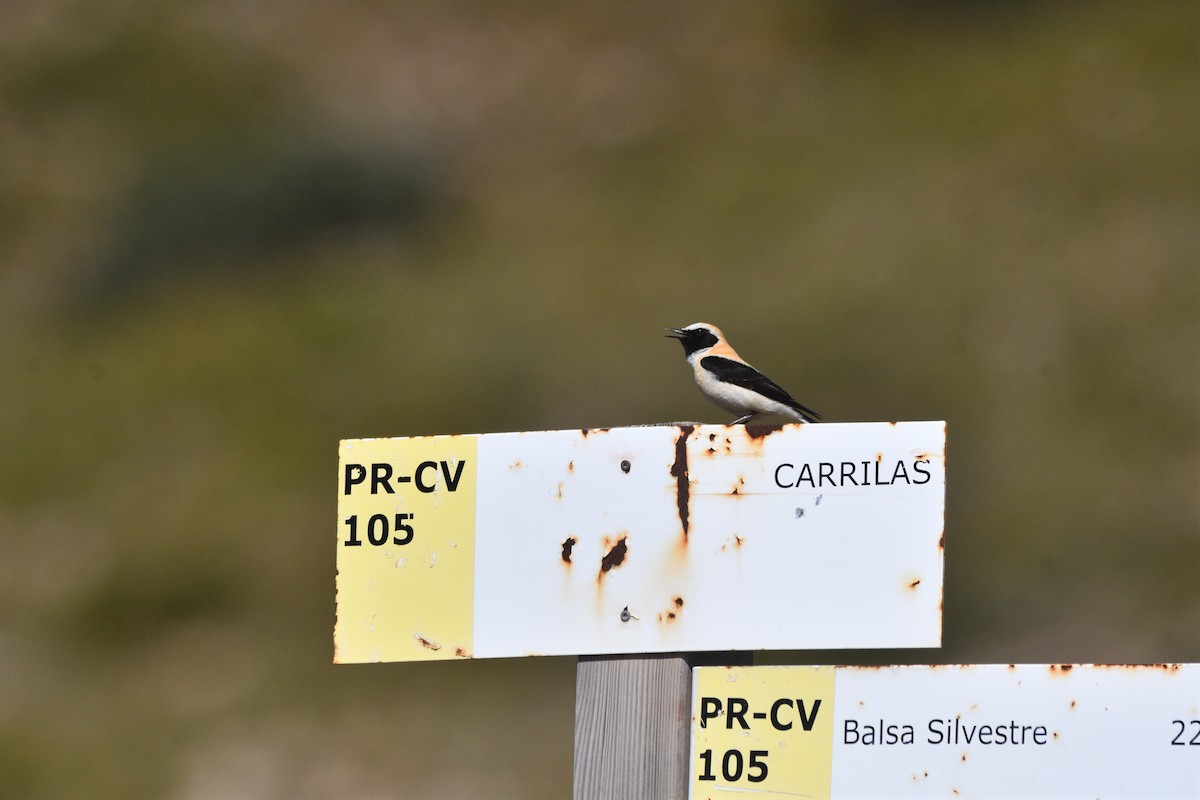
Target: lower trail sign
column 651, row 539
column 1056, row 731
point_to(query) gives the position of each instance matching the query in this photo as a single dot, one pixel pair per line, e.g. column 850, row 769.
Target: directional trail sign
column 640, row 540
column 998, row 731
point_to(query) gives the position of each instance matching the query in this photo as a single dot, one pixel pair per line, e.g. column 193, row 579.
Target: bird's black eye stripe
column 694, row 339
column 700, row 338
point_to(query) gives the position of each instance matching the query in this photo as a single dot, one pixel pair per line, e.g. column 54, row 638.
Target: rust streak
column 1134, row 667
column 567, row 546
column 614, row 557
column 679, row 471
column 943, row 445
column 759, row 432
column 426, row 643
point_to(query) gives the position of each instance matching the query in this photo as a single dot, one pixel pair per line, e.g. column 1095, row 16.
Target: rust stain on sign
column 567, row 546
column 1119, row 667
column 738, row 541
column 761, row 431
column 671, row 614
column 679, row 471
column 712, row 446
column 427, row 643
column 614, row 557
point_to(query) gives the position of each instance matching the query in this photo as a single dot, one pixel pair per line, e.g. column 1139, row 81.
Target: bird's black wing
column 746, row 376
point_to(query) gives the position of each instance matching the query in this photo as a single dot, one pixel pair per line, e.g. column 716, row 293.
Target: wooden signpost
column 654, row 552
column 646, row 551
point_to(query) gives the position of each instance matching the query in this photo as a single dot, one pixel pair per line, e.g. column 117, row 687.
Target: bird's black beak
column 675, row 333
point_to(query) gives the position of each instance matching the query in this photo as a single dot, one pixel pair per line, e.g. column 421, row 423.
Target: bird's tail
column 806, row 414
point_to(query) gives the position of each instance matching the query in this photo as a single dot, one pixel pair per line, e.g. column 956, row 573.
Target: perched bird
column 731, row 383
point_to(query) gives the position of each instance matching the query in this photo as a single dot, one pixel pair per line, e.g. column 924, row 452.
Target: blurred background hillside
column 234, row 233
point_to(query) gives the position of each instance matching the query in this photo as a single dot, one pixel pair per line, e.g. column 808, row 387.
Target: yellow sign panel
column 406, row 549
column 765, row 731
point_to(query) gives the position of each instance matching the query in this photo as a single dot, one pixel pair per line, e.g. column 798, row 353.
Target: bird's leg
column 747, row 418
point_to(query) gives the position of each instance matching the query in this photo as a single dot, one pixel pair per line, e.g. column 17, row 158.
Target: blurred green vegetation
column 232, row 234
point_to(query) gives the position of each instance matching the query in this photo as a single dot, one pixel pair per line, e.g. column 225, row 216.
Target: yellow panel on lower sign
column 406, row 549
column 766, row 732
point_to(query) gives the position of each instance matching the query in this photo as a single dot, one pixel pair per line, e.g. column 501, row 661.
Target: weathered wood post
column 631, row 727
column 633, row 722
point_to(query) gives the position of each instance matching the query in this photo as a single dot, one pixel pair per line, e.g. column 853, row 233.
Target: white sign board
column 1004, row 731
column 639, row 540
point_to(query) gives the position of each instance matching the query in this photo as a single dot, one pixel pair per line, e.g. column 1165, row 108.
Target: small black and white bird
column 729, row 382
